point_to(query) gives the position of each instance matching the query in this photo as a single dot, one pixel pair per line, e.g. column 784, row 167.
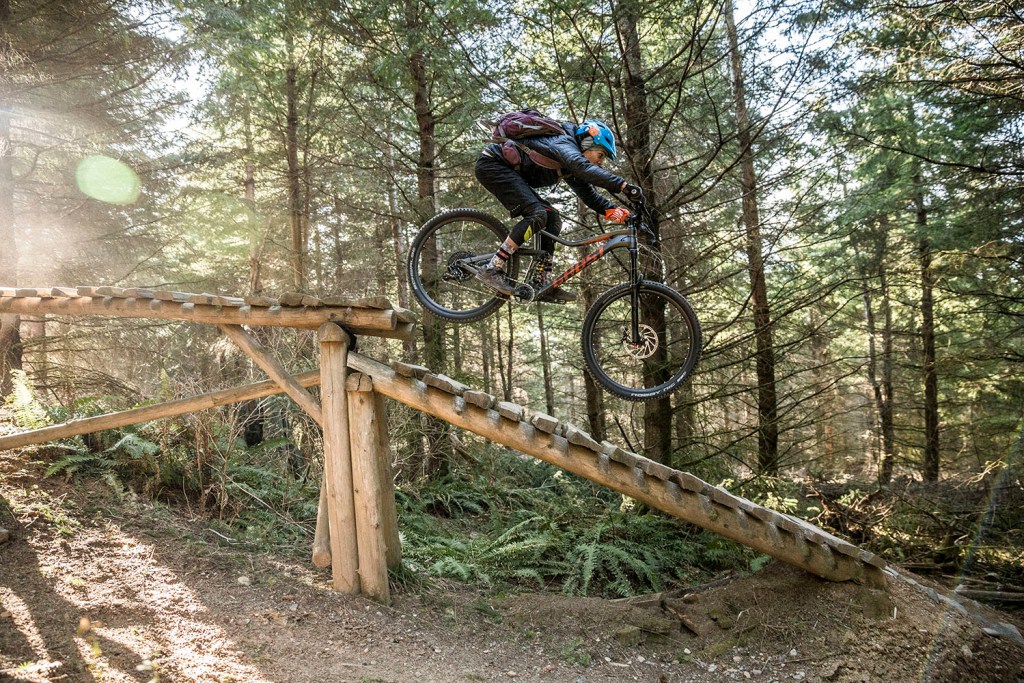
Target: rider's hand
column 632, row 191
column 616, row 215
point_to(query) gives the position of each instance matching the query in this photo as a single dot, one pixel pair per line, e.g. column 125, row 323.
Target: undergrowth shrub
column 495, row 519
column 536, row 525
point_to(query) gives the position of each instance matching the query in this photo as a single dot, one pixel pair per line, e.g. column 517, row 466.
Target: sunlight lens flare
column 107, row 180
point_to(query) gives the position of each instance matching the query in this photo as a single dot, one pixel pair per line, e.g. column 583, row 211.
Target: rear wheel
column 662, row 356
column 445, row 254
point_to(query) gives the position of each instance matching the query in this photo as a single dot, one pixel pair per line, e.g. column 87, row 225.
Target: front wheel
column 445, row 254
column 647, row 360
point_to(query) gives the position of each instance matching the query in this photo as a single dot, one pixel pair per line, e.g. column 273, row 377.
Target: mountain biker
column 511, row 176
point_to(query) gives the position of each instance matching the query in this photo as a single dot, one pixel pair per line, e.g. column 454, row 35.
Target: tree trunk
column 434, row 356
column 488, row 352
column 885, row 412
column 657, row 413
column 592, row 392
column 510, row 353
column 295, row 203
column 881, row 386
column 545, row 362
column 930, row 464
column 10, row 338
column 767, row 401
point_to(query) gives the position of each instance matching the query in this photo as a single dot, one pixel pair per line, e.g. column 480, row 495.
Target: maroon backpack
column 517, row 125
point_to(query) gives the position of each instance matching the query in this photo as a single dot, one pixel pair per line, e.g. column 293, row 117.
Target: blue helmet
column 592, row 133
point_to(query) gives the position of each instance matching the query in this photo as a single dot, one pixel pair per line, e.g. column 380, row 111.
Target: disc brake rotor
column 647, row 345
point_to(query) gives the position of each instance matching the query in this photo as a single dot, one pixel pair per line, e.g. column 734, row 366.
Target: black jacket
column 578, row 173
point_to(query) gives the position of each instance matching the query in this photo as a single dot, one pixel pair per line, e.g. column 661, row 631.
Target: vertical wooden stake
column 364, row 426
column 389, row 514
column 334, row 344
column 322, row 537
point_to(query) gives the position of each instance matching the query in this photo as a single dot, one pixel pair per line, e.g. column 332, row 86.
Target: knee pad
column 535, row 218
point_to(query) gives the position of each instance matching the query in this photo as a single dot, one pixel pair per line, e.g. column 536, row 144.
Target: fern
column 134, row 446
column 29, row 412
column 79, row 463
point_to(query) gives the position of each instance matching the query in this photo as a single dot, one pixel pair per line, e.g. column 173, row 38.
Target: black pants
column 516, row 195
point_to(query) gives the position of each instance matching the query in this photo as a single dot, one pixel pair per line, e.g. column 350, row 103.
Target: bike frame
column 608, row 242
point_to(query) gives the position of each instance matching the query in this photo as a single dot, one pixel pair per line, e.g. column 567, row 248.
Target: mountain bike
column 641, row 339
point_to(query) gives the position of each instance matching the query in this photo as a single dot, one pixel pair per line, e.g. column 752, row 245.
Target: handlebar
column 635, row 196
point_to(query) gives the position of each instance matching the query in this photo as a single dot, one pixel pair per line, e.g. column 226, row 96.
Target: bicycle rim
column 668, row 348
column 438, row 260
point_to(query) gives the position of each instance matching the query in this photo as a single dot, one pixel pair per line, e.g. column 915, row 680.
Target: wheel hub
column 646, row 345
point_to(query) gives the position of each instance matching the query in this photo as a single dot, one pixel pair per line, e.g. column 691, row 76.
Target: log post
column 334, row 345
column 387, row 480
column 364, row 430
column 322, row 536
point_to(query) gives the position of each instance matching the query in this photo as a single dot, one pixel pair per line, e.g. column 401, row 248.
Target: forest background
column 837, row 187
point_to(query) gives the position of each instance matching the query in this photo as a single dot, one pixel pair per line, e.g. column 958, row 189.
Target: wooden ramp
column 682, row 495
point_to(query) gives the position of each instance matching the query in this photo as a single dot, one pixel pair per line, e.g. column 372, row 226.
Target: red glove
column 617, row 215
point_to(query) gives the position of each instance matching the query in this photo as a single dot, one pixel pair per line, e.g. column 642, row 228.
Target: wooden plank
column 404, row 315
column 480, row 399
column 124, row 418
column 334, row 343
column 364, row 435
column 544, row 423
column 378, row 302
column 445, row 384
column 275, row 370
column 409, row 370
column 510, row 411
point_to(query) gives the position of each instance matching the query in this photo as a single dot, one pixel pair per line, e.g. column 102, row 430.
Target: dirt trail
column 96, row 586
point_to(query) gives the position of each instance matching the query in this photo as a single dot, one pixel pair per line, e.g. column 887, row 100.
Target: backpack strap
column 512, row 151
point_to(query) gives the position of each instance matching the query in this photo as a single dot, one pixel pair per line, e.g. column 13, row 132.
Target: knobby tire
column 453, row 232
column 607, row 325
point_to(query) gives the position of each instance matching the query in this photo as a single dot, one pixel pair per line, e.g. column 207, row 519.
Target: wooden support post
column 322, row 536
column 387, row 480
column 364, row 426
column 334, row 345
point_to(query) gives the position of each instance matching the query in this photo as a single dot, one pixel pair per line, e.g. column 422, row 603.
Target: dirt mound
column 98, row 586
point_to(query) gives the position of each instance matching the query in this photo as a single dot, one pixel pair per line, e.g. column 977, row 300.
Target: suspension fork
column 634, row 295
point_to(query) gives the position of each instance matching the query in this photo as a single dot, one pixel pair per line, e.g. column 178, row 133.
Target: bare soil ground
column 96, row 585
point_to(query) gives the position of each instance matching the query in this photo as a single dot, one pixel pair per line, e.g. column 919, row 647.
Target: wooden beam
column 364, row 430
column 334, row 345
column 154, row 412
column 383, row 323
column 274, row 369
